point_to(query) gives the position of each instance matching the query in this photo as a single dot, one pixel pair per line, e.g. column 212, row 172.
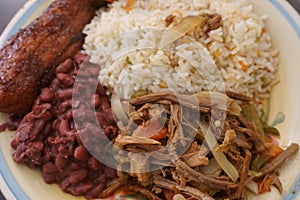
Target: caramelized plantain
column 29, row 58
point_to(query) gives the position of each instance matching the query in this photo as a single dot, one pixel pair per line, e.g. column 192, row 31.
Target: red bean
column 81, row 153
column 75, row 165
column 101, row 178
column 63, row 126
column 96, row 101
column 77, row 176
column 68, row 115
column 96, row 191
column 80, row 58
column 38, row 145
column 110, row 173
column 83, row 75
column 11, row 123
column 110, row 131
column 47, row 95
column 34, row 123
column 65, row 152
column 91, row 82
column 109, row 115
column 65, row 94
column 105, row 103
column 102, row 119
column 98, row 150
column 83, row 188
column 94, row 71
column 63, row 107
column 66, row 80
column 101, row 90
column 94, row 164
column 60, row 161
column 49, row 167
column 14, row 144
column 47, row 156
column 55, row 84
column 50, row 178
column 83, row 114
column 65, row 67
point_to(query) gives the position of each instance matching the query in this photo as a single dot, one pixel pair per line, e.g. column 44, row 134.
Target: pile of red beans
column 47, row 138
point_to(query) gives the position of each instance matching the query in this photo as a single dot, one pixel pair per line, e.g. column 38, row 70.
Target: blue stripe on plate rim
column 19, row 19
column 282, row 6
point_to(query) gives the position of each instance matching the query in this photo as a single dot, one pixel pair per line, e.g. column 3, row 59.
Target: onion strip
column 187, row 24
column 118, row 110
column 220, row 157
column 253, row 187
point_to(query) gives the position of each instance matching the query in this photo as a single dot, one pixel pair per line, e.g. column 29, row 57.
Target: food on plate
column 177, row 88
column 226, row 153
column 47, row 139
column 224, row 45
column 28, row 59
column 218, row 151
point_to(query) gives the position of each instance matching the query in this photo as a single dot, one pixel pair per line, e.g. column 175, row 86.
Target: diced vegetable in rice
column 125, row 44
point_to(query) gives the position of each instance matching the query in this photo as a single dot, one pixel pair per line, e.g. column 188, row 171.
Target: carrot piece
column 264, row 30
column 273, row 150
column 258, row 52
column 217, row 53
column 244, row 67
column 153, row 130
column 129, row 4
column 128, row 8
column 266, row 183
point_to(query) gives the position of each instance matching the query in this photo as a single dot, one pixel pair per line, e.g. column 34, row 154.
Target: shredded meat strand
column 141, row 190
column 291, row 150
column 214, row 182
column 167, row 184
column 243, row 177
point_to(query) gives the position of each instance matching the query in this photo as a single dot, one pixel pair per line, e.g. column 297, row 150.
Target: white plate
column 19, row 182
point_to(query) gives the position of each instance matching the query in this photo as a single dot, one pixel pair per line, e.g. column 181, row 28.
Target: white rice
column 125, row 44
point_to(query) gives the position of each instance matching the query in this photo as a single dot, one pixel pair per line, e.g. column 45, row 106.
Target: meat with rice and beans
column 199, row 144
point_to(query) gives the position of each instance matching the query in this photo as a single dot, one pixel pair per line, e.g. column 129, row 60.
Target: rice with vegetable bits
column 124, row 42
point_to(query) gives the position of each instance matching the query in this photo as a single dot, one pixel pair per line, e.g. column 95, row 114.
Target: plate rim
column 19, row 19
column 8, row 181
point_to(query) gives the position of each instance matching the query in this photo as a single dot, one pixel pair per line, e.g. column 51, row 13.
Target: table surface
column 8, row 9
